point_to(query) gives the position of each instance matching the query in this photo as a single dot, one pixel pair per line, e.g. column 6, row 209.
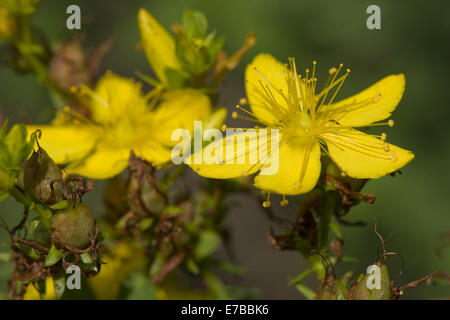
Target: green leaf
column 208, row 242
column 46, row 216
column 60, row 286
column 60, row 205
column 215, row 47
column 195, row 24
column 53, row 256
column 146, row 223
column 172, row 210
column 151, row 81
column 5, row 256
column 87, row 262
column 18, row 147
column 176, row 78
column 231, row 268
column 307, row 292
column 139, row 286
column 34, row 224
column 86, row 258
column 192, row 266
column 300, row 277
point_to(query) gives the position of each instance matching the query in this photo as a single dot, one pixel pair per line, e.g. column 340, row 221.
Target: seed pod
column 73, row 225
column 42, row 178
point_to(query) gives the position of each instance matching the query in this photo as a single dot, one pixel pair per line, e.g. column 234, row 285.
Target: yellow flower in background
column 119, row 262
column 7, row 24
column 159, row 45
column 32, row 291
column 309, row 121
column 121, row 120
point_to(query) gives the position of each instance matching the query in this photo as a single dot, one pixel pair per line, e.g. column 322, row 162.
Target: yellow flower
column 309, row 121
column 7, row 24
column 32, row 291
column 158, row 44
column 121, row 120
column 123, row 259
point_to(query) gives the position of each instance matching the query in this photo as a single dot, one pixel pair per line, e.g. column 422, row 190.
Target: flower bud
column 379, row 287
column 42, row 178
column 73, row 225
column 149, row 197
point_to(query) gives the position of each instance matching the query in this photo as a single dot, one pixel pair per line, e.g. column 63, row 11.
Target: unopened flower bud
column 42, row 178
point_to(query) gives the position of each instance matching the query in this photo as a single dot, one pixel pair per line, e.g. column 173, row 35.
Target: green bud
column 42, row 178
column 197, row 49
column 361, row 291
column 73, row 225
column 151, row 198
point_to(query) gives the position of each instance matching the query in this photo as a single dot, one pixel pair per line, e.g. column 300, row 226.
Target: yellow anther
column 284, row 203
column 267, row 204
column 386, row 147
column 223, row 127
column 243, row 101
column 234, row 115
column 348, row 70
column 383, row 136
column 391, row 123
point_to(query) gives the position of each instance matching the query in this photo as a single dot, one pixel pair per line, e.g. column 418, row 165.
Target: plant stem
column 326, row 208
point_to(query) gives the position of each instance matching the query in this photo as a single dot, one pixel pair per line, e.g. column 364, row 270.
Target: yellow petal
column 371, row 105
column 299, row 169
column 158, row 44
column 263, row 67
column 362, row 156
column 105, row 161
column 153, row 152
column 50, row 293
column 116, row 97
column 178, row 110
column 65, row 143
column 32, row 293
column 245, row 155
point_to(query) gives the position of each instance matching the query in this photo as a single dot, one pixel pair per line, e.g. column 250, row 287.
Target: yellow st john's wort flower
column 32, row 291
column 123, row 258
column 309, row 121
column 121, row 120
column 159, row 45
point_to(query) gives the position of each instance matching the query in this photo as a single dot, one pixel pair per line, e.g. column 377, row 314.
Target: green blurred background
column 414, row 39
